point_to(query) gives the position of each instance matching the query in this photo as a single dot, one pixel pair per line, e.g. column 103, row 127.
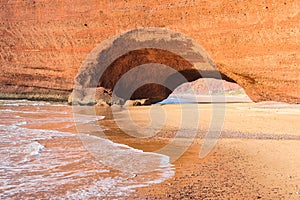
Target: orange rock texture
column 43, row 43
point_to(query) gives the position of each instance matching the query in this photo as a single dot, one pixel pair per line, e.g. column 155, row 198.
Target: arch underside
column 110, row 61
column 151, row 91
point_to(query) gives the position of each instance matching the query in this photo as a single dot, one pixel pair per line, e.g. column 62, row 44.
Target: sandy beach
column 255, row 157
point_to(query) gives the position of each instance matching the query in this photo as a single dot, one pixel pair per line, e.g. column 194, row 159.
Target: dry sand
column 256, row 157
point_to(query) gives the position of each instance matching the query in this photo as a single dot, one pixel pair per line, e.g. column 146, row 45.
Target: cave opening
column 198, row 91
column 179, row 89
column 146, row 64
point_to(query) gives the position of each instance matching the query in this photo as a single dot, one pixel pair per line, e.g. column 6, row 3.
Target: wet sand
column 44, row 156
column 256, row 157
column 236, row 169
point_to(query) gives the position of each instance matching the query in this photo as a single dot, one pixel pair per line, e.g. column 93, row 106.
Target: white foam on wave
column 22, row 123
column 24, row 102
column 11, row 104
column 15, row 161
column 125, row 158
column 33, row 148
column 8, row 111
column 27, row 166
column 9, row 116
column 87, row 118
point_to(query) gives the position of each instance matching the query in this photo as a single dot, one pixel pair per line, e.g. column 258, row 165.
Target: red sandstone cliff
column 43, row 43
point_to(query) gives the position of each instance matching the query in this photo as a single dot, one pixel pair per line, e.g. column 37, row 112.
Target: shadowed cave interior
column 129, row 88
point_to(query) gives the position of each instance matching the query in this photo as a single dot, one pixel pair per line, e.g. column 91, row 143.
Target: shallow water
column 43, row 156
column 196, row 99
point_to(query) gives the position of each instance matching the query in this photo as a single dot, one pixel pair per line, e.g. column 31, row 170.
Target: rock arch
column 109, row 61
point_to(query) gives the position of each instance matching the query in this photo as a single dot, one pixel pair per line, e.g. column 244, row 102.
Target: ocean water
column 42, row 156
column 196, row 99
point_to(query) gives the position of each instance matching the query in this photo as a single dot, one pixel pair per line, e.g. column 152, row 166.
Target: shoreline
column 33, row 98
column 206, row 100
column 255, row 157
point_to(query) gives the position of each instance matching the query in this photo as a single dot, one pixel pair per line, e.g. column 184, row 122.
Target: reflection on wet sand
column 256, row 155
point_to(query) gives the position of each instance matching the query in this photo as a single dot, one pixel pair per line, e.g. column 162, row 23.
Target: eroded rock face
column 43, row 44
column 146, row 63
